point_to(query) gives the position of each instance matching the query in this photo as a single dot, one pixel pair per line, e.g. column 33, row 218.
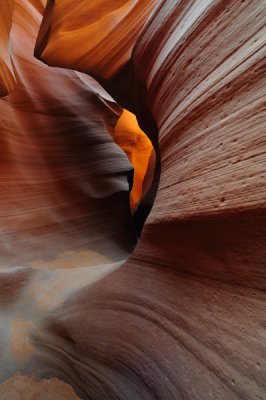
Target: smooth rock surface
column 95, row 36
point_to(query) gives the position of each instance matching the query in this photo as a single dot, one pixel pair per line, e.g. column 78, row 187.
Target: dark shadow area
column 131, row 94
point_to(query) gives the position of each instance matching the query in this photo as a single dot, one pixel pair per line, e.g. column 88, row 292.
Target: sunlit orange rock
column 7, row 76
column 95, row 36
column 134, row 142
column 138, row 147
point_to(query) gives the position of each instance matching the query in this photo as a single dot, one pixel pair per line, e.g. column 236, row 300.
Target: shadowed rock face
column 60, row 163
column 184, row 316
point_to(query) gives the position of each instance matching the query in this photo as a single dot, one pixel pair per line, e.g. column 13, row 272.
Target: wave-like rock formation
column 60, row 164
column 184, row 316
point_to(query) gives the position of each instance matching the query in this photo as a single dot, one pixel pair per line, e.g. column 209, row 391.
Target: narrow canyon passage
column 132, row 200
column 67, row 156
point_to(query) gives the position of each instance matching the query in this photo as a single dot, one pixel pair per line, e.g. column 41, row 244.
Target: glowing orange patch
column 138, row 148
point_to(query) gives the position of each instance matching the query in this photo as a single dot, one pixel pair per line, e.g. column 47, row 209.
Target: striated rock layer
column 184, row 316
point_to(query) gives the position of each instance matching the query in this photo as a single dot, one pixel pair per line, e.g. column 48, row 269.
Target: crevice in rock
column 131, row 94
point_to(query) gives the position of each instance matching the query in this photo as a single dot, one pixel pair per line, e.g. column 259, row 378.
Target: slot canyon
column 132, row 200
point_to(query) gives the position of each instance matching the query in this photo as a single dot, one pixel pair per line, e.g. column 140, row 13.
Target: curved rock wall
column 184, row 316
column 64, row 206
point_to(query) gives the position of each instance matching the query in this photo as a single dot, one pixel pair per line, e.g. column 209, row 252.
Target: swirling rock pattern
column 184, row 316
column 61, row 165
